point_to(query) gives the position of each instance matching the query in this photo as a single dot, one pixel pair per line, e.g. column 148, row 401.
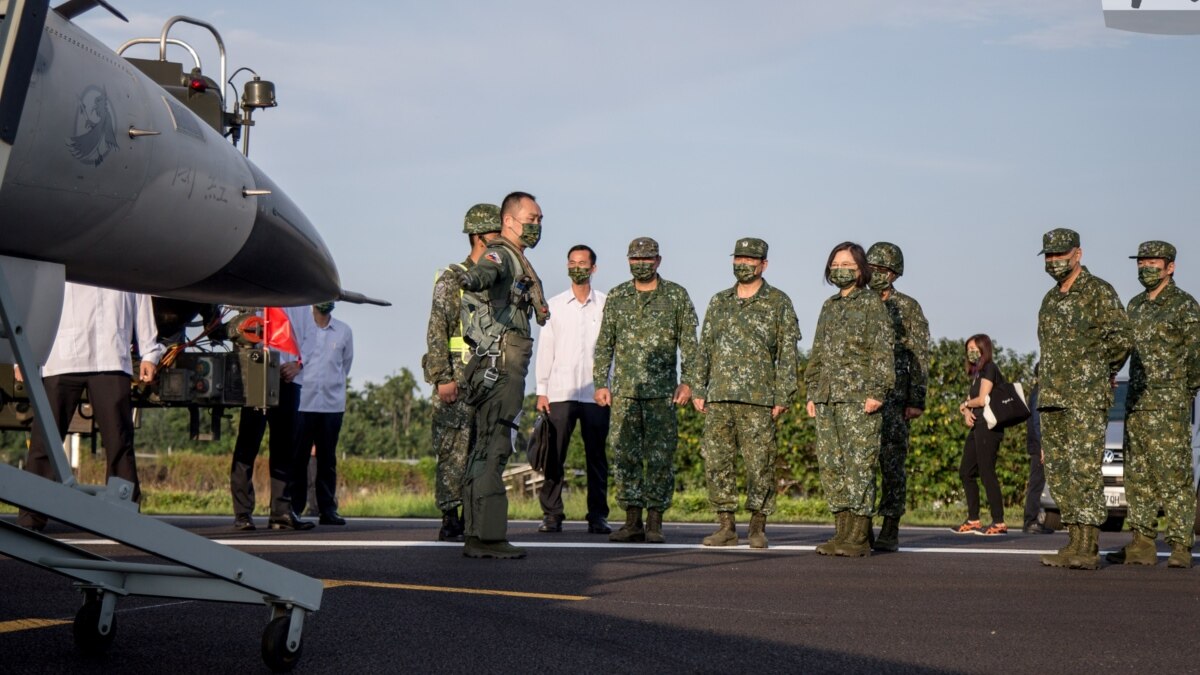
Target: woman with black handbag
column 983, row 444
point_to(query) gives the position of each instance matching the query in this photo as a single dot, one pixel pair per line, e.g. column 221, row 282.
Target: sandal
column 968, row 527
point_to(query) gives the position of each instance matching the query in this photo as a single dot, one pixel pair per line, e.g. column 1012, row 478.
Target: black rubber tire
column 1113, row 524
column 275, row 651
column 88, row 639
column 1053, row 520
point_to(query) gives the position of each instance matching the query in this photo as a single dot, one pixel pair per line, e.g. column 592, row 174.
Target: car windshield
column 1117, row 412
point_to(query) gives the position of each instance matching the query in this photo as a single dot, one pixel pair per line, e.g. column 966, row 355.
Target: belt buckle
column 491, row 375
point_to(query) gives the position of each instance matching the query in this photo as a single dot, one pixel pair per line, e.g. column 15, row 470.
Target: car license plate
column 1114, row 498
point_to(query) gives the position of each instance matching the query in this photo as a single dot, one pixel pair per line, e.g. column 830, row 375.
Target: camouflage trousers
column 847, row 455
column 451, row 432
column 497, row 411
column 1158, row 472
column 1073, row 443
column 893, row 453
column 643, row 433
column 731, row 428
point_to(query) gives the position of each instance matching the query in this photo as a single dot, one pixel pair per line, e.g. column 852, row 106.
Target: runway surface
column 397, row 601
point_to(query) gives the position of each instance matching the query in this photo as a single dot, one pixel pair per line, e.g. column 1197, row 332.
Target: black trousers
column 111, row 409
column 979, row 460
column 252, row 424
column 593, row 423
column 1033, row 493
column 321, row 430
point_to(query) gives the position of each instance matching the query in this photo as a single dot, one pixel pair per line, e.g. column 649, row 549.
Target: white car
column 1114, row 468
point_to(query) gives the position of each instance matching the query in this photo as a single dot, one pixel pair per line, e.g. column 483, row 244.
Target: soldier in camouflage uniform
column 1085, row 338
column 1164, row 374
column 646, row 322
column 745, row 379
column 499, row 334
column 910, row 331
column 850, row 372
column 443, row 363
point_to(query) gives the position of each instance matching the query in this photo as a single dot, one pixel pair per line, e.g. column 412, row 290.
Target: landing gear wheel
column 275, row 651
column 88, row 639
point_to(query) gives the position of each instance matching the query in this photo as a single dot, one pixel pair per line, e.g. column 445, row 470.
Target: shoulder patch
column 494, row 257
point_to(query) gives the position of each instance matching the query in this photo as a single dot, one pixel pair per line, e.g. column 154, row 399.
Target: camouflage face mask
column 973, row 356
column 843, row 277
column 1059, row 269
column 531, row 234
column 1150, row 277
column 642, row 271
column 879, row 281
column 745, row 273
column 324, row 307
column 579, row 275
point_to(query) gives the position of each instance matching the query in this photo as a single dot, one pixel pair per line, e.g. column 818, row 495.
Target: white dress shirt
column 565, row 347
column 97, row 328
column 327, row 354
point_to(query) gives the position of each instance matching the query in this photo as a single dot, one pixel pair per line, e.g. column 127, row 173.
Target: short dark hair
column 583, row 247
column 513, row 201
column 984, row 343
column 860, row 259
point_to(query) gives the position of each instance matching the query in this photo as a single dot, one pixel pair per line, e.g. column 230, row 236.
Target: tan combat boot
column 856, row 544
column 889, row 535
column 726, row 534
column 758, row 530
column 841, row 526
column 632, row 530
column 1140, row 551
column 1061, row 558
column 1087, row 555
column 654, row 533
column 1181, row 555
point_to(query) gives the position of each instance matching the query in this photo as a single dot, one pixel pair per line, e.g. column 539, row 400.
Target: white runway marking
column 645, row 548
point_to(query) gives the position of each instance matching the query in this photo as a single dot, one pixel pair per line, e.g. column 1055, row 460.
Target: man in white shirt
column 282, row 419
column 565, row 392
column 91, row 351
column 328, row 352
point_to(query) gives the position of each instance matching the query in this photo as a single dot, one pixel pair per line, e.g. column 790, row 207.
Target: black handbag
column 1005, row 406
column 539, row 442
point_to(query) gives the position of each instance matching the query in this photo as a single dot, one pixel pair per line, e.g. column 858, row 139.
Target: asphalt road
column 396, row 601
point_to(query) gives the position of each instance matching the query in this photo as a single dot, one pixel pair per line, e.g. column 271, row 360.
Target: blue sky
column 960, row 131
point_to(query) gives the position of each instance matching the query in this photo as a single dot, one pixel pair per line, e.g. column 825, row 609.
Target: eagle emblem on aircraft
column 95, row 127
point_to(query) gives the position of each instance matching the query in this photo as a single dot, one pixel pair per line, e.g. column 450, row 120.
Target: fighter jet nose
column 284, row 262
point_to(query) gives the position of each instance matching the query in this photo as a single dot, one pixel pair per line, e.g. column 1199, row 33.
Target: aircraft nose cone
column 284, row 262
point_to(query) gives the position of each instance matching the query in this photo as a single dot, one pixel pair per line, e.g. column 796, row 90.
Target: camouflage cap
column 886, row 254
column 1155, row 249
column 482, row 219
column 750, row 248
column 1059, row 240
column 643, row 247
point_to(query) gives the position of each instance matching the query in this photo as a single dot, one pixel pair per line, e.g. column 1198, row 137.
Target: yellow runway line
column 29, row 624
column 335, row 583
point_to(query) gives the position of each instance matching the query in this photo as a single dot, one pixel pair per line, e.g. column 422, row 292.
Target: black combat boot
column 452, row 526
column 889, row 535
column 632, row 530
